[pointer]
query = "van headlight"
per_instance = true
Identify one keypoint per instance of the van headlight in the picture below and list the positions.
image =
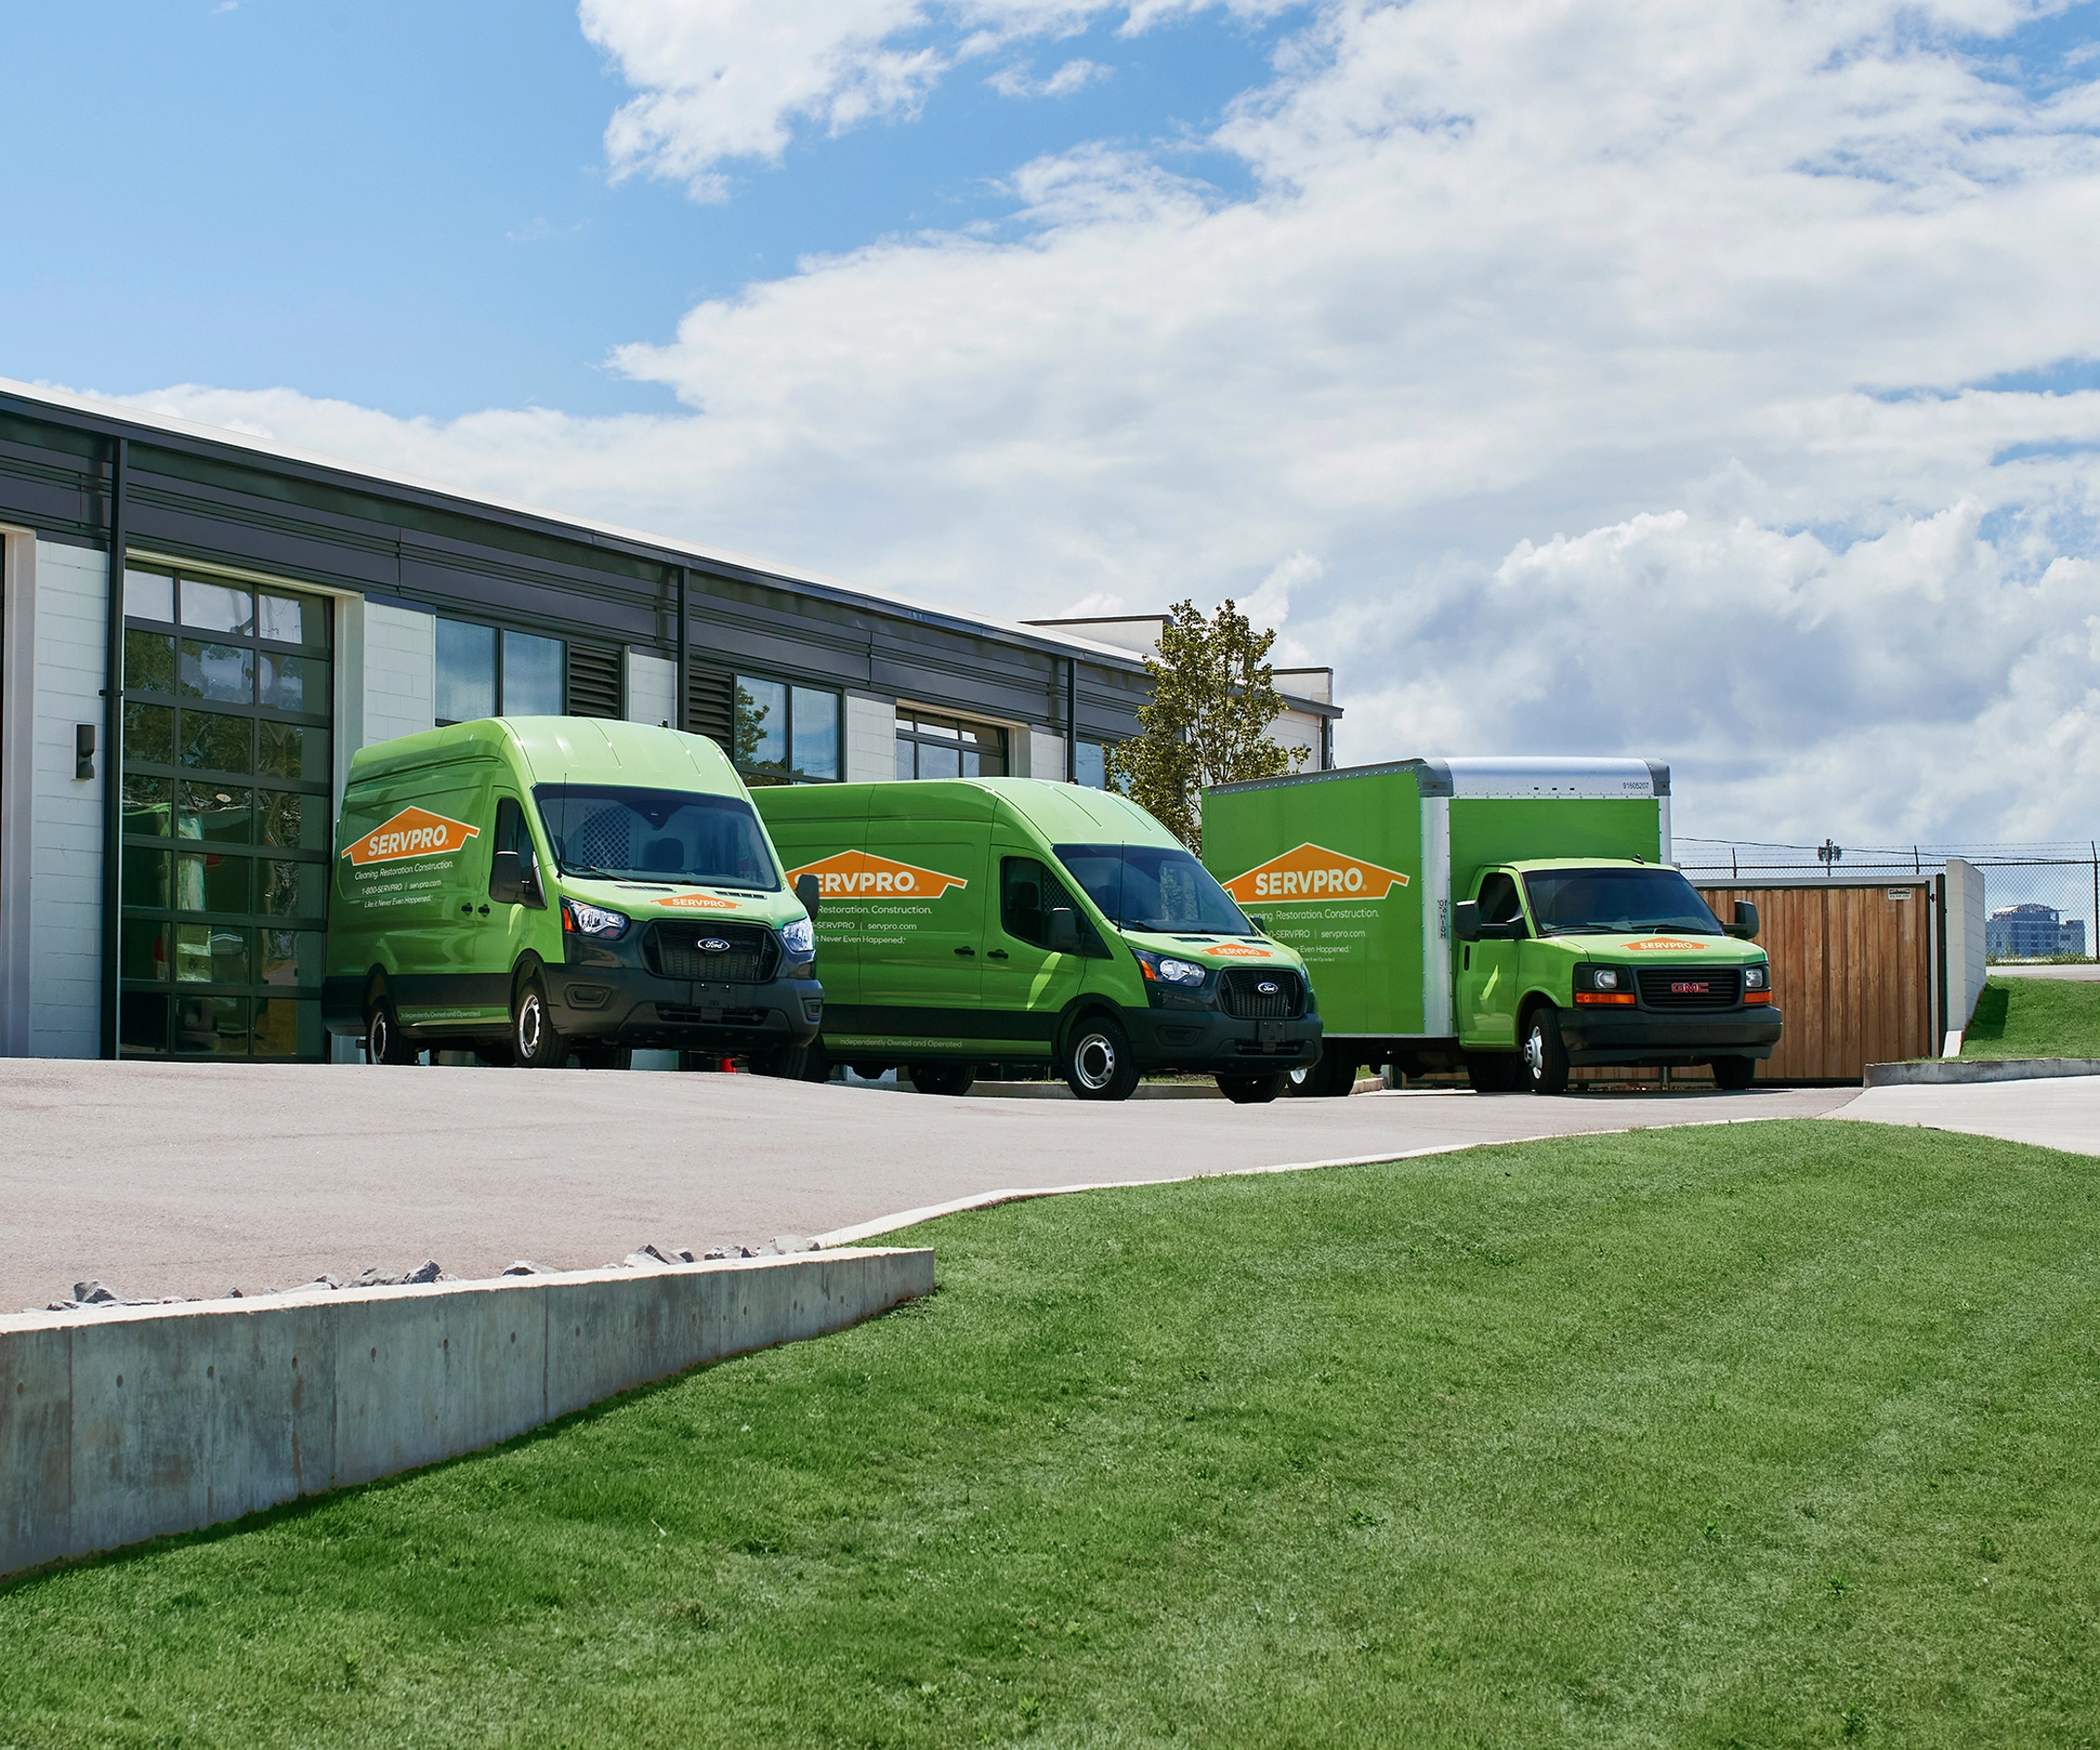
(1181, 972)
(593, 919)
(1757, 978)
(799, 938)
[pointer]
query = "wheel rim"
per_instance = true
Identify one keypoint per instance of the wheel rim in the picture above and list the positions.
(1299, 1076)
(376, 1040)
(528, 1029)
(1534, 1052)
(1093, 1063)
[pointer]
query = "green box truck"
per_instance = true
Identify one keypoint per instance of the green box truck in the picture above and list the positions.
(1514, 917)
(1010, 921)
(543, 890)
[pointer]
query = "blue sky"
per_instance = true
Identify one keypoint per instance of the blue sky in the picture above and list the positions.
(408, 205)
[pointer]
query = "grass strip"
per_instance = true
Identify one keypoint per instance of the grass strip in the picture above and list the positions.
(2035, 1018)
(1771, 1434)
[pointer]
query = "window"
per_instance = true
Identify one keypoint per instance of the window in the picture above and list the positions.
(482, 673)
(1089, 765)
(225, 774)
(943, 747)
(669, 836)
(1028, 894)
(1498, 901)
(1154, 888)
(785, 734)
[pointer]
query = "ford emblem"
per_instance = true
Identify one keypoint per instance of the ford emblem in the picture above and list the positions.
(714, 945)
(1265, 987)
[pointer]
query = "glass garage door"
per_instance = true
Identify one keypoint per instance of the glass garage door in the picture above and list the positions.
(226, 743)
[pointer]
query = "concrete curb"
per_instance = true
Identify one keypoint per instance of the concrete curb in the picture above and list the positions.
(1942, 1071)
(134, 1424)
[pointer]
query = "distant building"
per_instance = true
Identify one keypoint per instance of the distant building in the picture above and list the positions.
(2032, 932)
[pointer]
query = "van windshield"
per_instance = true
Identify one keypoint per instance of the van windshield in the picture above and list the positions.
(1147, 886)
(1614, 901)
(673, 836)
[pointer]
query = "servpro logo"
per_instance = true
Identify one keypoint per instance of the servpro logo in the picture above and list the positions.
(413, 832)
(1666, 945)
(858, 875)
(696, 902)
(1237, 951)
(1313, 872)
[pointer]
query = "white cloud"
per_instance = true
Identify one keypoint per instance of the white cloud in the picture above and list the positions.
(1072, 76)
(719, 80)
(1615, 361)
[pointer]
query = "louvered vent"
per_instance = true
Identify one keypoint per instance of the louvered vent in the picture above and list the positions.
(594, 690)
(708, 708)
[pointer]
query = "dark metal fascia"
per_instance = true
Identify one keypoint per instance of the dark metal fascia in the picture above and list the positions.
(456, 504)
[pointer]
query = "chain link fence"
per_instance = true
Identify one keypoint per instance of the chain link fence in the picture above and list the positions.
(2042, 902)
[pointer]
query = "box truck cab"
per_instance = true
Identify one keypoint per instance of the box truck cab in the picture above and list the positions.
(1513, 916)
(548, 890)
(1010, 921)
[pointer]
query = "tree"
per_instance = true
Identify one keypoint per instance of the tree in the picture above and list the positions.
(1214, 698)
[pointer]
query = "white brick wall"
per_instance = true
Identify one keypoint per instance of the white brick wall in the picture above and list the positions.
(66, 867)
(401, 672)
(652, 688)
(870, 739)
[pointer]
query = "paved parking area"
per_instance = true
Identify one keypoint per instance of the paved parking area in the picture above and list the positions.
(193, 1180)
(2057, 1112)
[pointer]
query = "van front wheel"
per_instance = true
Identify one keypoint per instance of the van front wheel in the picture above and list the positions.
(1545, 1057)
(953, 1079)
(1099, 1064)
(532, 1038)
(383, 1041)
(1251, 1090)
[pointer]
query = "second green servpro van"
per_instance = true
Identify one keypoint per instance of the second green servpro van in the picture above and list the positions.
(1011, 920)
(544, 890)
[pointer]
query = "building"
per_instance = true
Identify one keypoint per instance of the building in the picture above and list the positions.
(277, 610)
(2032, 932)
(1310, 711)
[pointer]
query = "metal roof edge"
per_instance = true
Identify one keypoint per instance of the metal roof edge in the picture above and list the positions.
(89, 412)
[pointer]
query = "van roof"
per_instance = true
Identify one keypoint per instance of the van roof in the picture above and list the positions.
(554, 750)
(1065, 813)
(1522, 776)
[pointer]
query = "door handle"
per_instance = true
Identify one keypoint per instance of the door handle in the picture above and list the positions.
(966, 951)
(484, 911)
(996, 953)
(468, 908)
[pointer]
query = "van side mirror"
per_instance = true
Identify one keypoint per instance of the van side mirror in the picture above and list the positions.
(1465, 920)
(506, 879)
(1746, 920)
(810, 891)
(1064, 930)
(1261, 925)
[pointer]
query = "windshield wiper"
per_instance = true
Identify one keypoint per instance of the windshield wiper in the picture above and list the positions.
(570, 868)
(1579, 929)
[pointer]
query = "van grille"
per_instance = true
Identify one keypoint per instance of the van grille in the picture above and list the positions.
(1241, 996)
(1690, 986)
(672, 951)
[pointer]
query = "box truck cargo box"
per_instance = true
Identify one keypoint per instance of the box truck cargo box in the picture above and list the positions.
(543, 890)
(1008, 921)
(1513, 916)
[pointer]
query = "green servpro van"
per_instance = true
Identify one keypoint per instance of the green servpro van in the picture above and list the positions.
(1517, 916)
(544, 890)
(1010, 921)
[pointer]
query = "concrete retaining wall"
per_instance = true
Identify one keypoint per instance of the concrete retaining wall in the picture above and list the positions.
(123, 1425)
(1947, 1071)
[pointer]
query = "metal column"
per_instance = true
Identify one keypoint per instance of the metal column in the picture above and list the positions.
(679, 707)
(1071, 720)
(113, 747)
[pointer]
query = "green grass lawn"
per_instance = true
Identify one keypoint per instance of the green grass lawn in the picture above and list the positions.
(2035, 1018)
(1773, 1434)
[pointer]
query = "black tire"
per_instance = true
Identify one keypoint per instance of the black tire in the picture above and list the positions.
(1491, 1071)
(1734, 1074)
(1545, 1057)
(951, 1079)
(384, 1043)
(495, 1053)
(603, 1056)
(1331, 1078)
(1098, 1063)
(534, 1044)
(1252, 1090)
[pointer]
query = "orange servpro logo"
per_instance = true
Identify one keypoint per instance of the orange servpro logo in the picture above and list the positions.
(859, 875)
(1666, 945)
(413, 832)
(697, 902)
(1238, 951)
(1313, 872)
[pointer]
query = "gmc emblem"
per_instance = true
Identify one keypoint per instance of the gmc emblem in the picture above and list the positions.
(1686, 987)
